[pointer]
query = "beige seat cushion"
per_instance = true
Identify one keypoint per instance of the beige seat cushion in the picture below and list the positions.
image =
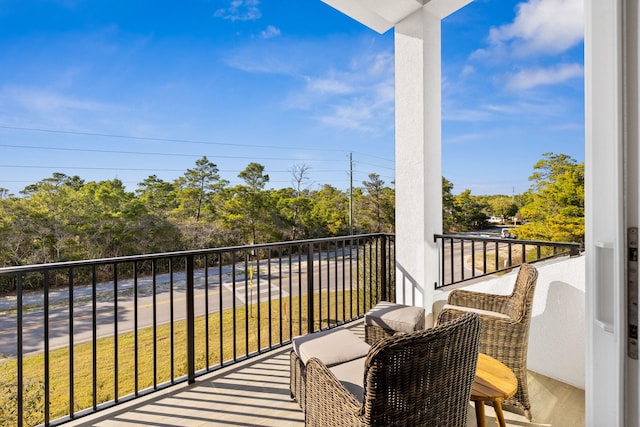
(351, 375)
(332, 347)
(475, 310)
(397, 317)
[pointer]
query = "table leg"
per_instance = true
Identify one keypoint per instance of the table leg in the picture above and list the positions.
(499, 414)
(480, 418)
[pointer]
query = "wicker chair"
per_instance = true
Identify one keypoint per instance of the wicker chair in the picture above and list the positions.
(504, 333)
(415, 379)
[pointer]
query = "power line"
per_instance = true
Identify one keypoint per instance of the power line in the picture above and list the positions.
(376, 166)
(168, 169)
(146, 138)
(146, 153)
(176, 155)
(183, 140)
(375, 157)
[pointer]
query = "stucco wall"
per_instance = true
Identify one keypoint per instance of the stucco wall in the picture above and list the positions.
(557, 335)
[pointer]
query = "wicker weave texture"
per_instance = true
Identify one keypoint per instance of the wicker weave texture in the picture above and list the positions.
(373, 334)
(506, 340)
(416, 379)
(296, 378)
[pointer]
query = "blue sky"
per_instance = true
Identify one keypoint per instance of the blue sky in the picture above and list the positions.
(126, 89)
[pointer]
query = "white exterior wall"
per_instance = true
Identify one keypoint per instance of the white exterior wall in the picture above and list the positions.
(418, 157)
(557, 334)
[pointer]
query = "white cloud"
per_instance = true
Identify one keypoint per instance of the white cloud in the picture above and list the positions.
(370, 114)
(270, 32)
(240, 10)
(329, 85)
(467, 70)
(380, 63)
(528, 79)
(355, 115)
(502, 108)
(288, 57)
(360, 97)
(254, 61)
(358, 94)
(569, 126)
(453, 114)
(464, 138)
(492, 112)
(41, 107)
(541, 27)
(44, 101)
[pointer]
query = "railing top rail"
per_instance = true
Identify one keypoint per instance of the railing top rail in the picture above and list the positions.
(505, 240)
(465, 257)
(196, 252)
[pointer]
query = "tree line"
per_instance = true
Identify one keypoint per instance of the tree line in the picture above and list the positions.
(64, 218)
(552, 209)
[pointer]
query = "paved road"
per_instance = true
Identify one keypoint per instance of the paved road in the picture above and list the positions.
(246, 290)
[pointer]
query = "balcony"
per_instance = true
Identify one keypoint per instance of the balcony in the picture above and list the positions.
(256, 392)
(137, 340)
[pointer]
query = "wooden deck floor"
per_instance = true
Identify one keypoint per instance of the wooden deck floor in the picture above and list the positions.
(256, 393)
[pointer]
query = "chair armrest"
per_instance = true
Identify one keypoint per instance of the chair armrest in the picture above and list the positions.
(327, 402)
(482, 301)
(488, 319)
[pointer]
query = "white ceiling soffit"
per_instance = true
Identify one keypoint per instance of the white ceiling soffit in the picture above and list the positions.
(381, 15)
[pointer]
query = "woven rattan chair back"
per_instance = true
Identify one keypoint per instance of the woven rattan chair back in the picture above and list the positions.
(522, 296)
(505, 339)
(422, 378)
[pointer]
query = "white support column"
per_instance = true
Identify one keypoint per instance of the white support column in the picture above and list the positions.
(418, 157)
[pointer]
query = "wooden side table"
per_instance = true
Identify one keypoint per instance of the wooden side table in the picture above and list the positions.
(494, 382)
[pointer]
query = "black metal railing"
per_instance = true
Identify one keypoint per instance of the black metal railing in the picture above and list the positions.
(78, 337)
(466, 257)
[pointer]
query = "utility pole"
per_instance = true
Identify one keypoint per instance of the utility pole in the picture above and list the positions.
(350, 193)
